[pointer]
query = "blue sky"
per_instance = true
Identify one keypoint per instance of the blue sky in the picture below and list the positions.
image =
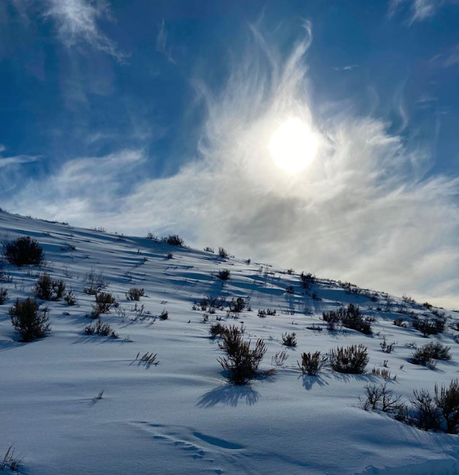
(153, 115)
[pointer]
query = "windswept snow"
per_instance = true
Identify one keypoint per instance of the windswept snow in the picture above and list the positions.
(181, 416)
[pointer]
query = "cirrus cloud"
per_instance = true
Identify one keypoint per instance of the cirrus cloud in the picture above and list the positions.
(364, 210)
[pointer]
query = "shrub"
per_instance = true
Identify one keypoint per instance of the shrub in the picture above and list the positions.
(237, 305)
(9, 461)
(279, 359)
(430, 325)
(23, 251)
(332, 319)
(216, 329)
(312, 363)
(387, 347)
(70, 298)
(209, 249)
(432, 351)
(349, 317)
(222, 253)
(3, 295)
(96, 282)
(267, 312)
(104, 302)
(224, 274)
(242, 361)
(28, 320)
(164, 315)
(426, 413)
(48, 288)
(101, 329)
(399, 322)
(135, 293)
(447, 401)
(352, 318)
(173, 240)
(351, 360)
(289, 339)
(170, 255)
(290, 290)
(152, 237)
(307, 280)
(381, 398)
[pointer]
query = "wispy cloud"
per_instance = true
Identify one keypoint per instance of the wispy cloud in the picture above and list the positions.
(87, 189)
(348, 67)
(362, 211)
(17, 160)
(420, 10)
(162, 44)
(76, 21)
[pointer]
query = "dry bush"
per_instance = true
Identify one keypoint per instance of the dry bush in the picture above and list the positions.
(164, 315)
(349, 317)
(332, 319)
(350, 360)
(447, 401)
(427, 354)
(173, 240)
(222, 253)
(312, 363)
(70, 298)
(3, 295)
(27, 318)
(387, 347)
(427, 416)
(307, 280)
(224, 274)
(23, 251)
(135, 293)
(289, 339)
(384, 373)
(381, 398)
(10, 462)
(96, 282)
(267, 312)
(101, 329)
(49, 289)
(430, 325)
(279, 359)
(216, 330)
(242, 361)
(104, 302)
(237, 305)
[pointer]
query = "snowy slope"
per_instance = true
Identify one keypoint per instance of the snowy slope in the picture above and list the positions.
(181, 416)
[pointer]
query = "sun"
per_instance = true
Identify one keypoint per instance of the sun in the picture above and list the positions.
(293, 145)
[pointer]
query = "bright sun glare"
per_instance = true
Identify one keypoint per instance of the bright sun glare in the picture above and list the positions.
(293, 145)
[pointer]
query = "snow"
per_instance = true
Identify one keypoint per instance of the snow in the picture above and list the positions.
(181, 416)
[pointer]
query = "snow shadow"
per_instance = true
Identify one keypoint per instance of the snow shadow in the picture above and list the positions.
(229, 395)
(309, 381)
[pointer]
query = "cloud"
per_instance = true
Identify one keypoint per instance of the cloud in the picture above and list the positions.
(348, 67)
(420, 10)
(19, 159)
(85, 189)
(76, 21)
(363, 210)
(453, 57)
(162, 43)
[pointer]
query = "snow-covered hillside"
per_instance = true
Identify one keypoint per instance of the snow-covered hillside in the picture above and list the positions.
(181, 416)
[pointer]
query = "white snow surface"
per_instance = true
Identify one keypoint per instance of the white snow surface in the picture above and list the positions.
(182, 416)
